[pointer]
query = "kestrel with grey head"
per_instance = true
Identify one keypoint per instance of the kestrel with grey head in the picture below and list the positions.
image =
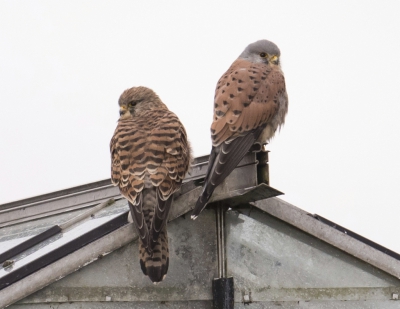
(150, 155)
(250, 104)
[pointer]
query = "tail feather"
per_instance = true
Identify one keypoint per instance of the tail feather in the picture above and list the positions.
(223, 160)
(155, 264)
(153, 248)
(207, 189)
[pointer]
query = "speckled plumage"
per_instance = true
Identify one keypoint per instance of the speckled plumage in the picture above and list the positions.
(250, 103)
(150, 156)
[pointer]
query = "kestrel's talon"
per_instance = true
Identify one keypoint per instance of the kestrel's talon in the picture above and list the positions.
(256, 147)
(264, 147)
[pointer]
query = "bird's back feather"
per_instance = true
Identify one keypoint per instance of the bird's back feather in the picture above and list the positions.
(150, 158)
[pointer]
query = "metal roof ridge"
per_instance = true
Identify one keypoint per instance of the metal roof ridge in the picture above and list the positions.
(93, 193)
(104, 183)
(56, 194)
(311, 225)
(358, 237)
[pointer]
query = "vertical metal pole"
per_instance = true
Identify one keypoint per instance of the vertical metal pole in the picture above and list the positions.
(223, 258)
(219, 245)
(222, 287)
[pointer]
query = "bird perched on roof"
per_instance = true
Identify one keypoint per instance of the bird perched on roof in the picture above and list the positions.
(250, 103)
(150, 155)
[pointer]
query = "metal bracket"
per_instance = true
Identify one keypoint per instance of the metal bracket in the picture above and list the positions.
(246, 297)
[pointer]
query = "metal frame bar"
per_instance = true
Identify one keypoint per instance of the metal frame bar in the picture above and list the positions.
(50, 232)
(54, 255)
(34, 240)
(67, 264)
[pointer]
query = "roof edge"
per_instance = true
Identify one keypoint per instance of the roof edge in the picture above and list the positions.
(67, 265)
(307, 223)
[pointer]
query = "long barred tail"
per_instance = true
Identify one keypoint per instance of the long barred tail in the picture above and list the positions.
(155, 264)
(153, 248)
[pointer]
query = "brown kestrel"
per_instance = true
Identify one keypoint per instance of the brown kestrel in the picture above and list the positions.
(250, 104)
(150, 155)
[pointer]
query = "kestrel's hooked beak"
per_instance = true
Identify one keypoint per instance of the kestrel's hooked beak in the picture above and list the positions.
(273, 59)
(122, 110)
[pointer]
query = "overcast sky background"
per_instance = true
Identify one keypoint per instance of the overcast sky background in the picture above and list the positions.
(63, 65)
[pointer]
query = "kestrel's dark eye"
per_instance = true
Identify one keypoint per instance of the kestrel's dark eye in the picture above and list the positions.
(263, 55)
(133, 103)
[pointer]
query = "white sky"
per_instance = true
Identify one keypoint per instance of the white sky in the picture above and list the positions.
(63, 65)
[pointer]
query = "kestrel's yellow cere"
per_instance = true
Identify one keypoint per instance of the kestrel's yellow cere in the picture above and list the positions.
(250, 104)
(150, 155)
